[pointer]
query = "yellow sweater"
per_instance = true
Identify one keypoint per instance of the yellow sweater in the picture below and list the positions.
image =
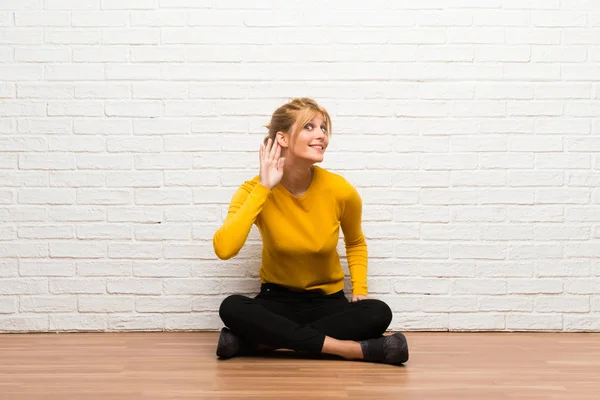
(300, 234)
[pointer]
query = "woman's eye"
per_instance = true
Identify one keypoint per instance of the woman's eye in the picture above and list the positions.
(324, 129)
(308, 127)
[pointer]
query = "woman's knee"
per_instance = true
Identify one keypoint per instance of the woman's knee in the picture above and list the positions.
(381, 314)
(230, 306)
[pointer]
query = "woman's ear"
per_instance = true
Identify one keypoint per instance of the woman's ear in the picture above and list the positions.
(282, 139)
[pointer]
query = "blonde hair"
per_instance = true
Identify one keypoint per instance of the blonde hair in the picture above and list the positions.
(294, 115)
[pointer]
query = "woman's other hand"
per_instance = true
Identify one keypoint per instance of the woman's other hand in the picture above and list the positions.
(359, 297)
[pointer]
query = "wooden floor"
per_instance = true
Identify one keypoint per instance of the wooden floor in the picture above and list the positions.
(184, 366)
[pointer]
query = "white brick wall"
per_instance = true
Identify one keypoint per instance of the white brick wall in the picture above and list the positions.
(471, 129)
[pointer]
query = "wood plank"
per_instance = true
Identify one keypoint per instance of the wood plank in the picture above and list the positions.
(168, 365)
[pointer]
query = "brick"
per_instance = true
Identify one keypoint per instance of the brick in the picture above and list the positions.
(163, 304)
(76, 109)
(127, 179)
(136, 323)
(105, 304)
(195, 143)
(105, 162)
(45, 91)
(109, 19)
(136, 214)
(77, 286)
(159, 233)
(164, 161)
(22, 109)
(37, 19)
(77, 322)
(103, 196)
(135, 286)
(73, 214)
(501, 53)
(197, 251)
(506, 303)
(23, 214)
(72, 37)
(195, 321)
(448, 196)
(93, 126)
(130, 36)
(74, 72)
(124, 144)
(500, 269)
(77, 249)
(582, 250)
(23, 144)
(449, 304)
(140, 54)
(104, 231)
(48, 304)
(101, 54)
(564, 303)
(41, 126)
(563, 268)
(160, 18)
(46, 232)
(478, 214)
(417, 178)
(25, 323)
(24, 249)
(163, 269)
(476, 321)
(534, 322)
(8, 305)
(40, 54)
(8, 233)
(24, 286)
(478, 178)
(103, 268)
(133, 109)
(161, 126)
(534, 286)
(8, 268)
(478, 251)
(70, 179)
(464, 161)
(135, 250)
(196, 286)
(582, 323)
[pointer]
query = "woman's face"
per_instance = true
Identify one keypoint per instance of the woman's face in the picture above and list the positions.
(310, 142)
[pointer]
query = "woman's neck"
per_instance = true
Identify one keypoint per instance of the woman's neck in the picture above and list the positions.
(297, 179)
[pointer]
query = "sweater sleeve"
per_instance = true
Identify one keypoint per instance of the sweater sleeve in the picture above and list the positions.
(354, 239)
(246, 204)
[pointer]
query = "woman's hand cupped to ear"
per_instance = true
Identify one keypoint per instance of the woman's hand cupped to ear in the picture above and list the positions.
(271, 164)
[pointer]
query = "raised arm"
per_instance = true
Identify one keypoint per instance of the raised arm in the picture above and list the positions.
(246, 204)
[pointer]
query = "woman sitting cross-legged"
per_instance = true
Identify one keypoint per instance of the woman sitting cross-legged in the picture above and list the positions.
(299, 208)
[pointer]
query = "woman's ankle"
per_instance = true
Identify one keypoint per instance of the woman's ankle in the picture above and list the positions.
(347, 349)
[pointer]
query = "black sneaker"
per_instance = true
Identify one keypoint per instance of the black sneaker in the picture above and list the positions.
(391, 349)
(229, 344)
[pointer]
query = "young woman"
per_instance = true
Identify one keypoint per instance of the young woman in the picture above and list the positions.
(299, 208)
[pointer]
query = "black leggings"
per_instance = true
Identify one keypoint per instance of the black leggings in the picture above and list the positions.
(299, 321)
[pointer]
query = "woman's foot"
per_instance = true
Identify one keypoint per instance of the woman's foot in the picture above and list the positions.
(391, 349)
(229, 345)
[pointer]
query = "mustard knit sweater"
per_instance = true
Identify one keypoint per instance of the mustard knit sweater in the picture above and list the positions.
(300, 234)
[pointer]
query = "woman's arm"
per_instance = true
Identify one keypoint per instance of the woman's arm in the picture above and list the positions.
(246, 204)
(354, 239)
